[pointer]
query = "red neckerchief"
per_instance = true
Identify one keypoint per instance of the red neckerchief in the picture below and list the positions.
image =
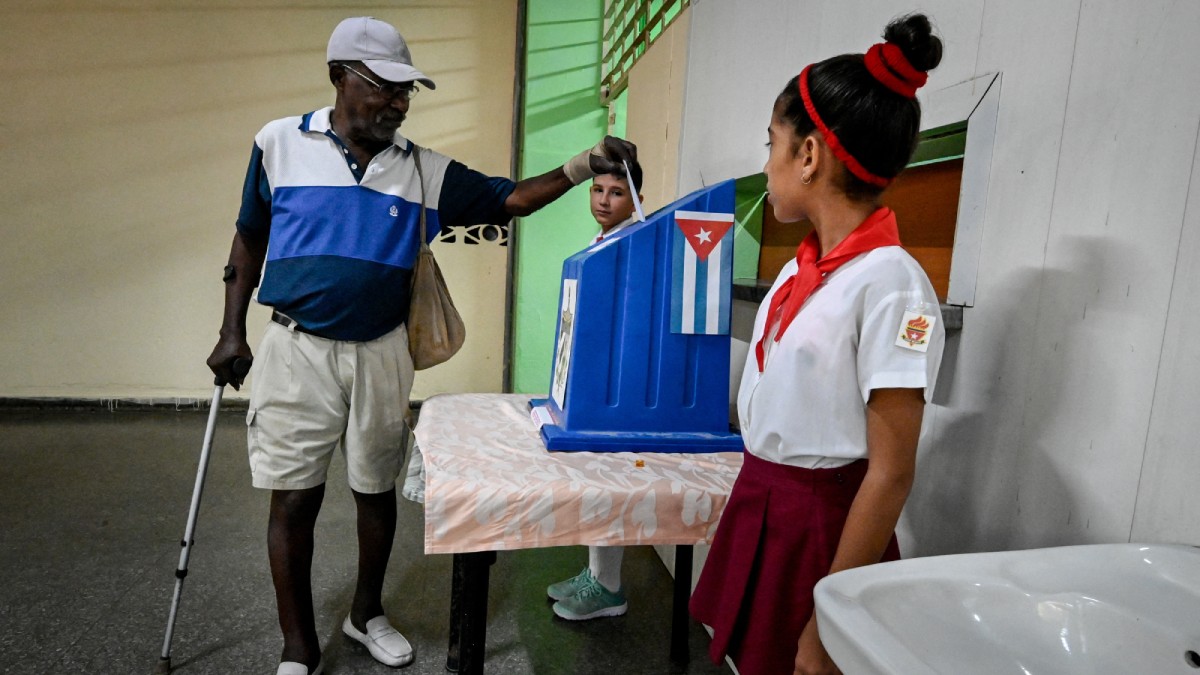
(879, 229)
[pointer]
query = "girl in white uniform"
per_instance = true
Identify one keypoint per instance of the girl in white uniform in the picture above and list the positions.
(845, 353)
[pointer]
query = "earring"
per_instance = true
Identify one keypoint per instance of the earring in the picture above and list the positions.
(806, 179)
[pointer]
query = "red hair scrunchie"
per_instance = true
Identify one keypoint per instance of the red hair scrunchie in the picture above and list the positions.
(887, 63)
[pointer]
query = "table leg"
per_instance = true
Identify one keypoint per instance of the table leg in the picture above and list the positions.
(468, 612)
(680, 621)
(453, 650)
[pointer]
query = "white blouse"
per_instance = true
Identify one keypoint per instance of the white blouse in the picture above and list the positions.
(874, 323)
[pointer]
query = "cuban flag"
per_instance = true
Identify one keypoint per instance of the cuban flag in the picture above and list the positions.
(701, 273)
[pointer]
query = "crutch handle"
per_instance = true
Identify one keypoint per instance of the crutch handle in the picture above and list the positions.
(241, 368)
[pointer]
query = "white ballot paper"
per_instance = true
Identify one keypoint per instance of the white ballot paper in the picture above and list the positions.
(637, 203)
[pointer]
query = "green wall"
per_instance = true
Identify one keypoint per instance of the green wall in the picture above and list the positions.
(562, 117)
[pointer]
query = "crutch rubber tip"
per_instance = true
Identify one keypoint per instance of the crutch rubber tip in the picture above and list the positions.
(163, 667)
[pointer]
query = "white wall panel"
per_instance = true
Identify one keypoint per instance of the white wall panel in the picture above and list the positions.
(1168, 499)
(741, 55)
(744, 52)
(1118, 207)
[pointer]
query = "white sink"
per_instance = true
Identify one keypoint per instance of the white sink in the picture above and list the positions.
(1119, 609)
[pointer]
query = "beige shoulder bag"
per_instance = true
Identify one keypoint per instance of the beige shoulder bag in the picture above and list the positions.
(435, 330)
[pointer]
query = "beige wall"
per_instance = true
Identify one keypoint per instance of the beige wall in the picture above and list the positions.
(126, 131)
(654, 111)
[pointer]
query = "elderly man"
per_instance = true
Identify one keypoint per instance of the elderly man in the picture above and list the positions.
(337, 193)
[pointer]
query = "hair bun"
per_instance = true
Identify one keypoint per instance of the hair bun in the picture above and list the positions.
(913, 34)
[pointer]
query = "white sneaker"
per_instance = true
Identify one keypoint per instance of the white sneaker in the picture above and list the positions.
(385, 643)
(294, 668)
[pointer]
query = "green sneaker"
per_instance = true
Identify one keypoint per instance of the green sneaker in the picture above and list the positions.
(591, 602)
(565, 589)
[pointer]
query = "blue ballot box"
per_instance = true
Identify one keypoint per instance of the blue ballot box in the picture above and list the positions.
(641, 358)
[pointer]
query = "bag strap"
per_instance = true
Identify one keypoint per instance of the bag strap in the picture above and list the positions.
(415, 150)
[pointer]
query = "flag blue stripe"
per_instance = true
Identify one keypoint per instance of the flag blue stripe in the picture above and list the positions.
(700, 300)
(677, 244)
(726, 280)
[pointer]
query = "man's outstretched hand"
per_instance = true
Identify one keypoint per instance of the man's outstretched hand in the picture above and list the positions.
(616, 150)
(605, 157)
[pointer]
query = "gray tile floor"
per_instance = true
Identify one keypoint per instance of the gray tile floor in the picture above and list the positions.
(93, 504)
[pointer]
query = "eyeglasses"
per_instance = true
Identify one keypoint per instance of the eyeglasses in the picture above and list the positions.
(388, 91)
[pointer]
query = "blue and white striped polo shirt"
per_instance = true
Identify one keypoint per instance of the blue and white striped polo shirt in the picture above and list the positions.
(343, 237)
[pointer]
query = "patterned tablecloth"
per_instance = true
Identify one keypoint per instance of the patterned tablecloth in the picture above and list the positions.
(491, 485)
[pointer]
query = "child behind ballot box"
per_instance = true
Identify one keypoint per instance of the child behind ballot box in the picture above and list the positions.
(596, 591)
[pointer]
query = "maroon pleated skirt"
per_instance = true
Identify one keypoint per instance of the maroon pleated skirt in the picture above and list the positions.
(777, 538)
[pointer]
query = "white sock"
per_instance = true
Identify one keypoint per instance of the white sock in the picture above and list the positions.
(605, 564)
(414, 479)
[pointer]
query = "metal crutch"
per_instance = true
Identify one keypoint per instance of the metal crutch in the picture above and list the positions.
(241, 367)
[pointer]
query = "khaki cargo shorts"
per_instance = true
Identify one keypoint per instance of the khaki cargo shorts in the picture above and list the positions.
(311, 395)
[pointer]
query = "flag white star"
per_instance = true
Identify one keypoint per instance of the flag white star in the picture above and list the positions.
(703, 236)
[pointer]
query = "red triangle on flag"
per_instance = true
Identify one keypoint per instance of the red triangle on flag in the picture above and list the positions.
(703, 230)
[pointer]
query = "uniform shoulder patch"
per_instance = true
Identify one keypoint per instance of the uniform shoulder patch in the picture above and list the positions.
(915, 328)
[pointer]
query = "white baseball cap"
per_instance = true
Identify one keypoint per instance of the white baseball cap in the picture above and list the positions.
(378, 45)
